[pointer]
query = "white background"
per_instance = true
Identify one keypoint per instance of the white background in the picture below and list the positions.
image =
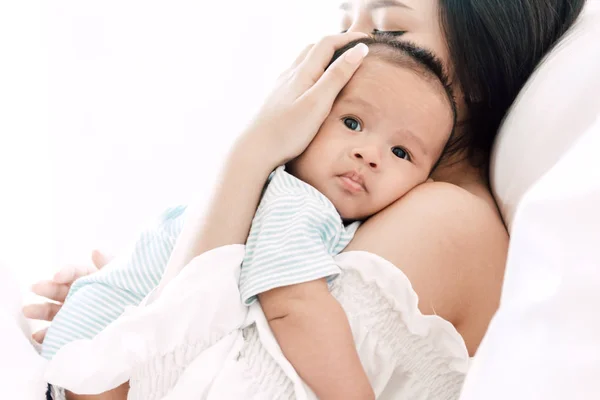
(112, 110)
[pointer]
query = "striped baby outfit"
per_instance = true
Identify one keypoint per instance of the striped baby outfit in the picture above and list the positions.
(294, 235)
(96, 300)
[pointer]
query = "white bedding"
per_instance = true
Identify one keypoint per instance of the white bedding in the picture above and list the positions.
(21, 368)
(544, 342)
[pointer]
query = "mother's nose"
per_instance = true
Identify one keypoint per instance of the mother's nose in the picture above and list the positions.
(361, 27)
(361, 22)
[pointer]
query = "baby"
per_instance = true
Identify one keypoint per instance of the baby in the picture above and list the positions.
(385, 134)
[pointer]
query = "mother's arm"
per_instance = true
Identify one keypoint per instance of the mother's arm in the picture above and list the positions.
(118, 393)
(451, 245)
(283, 129)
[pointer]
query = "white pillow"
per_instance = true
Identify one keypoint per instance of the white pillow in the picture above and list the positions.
(558, 104)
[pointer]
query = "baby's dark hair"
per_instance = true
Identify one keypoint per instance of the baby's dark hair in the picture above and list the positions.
(419, 60)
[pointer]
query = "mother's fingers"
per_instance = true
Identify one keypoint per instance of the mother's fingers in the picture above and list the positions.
(51, 290)
(100, 259)
(39, 336)
(327, 88)
(70, 273)
(45, 312)
(302, 55)
(320, 55)
(298, 61)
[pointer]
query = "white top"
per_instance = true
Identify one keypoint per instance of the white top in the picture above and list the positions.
(225, 350)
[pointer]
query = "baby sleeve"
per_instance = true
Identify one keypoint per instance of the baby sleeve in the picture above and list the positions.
(294, 236)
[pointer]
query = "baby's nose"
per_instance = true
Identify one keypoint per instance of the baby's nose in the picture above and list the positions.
(367, 155)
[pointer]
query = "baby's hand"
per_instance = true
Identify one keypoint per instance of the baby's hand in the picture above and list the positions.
(57, 290)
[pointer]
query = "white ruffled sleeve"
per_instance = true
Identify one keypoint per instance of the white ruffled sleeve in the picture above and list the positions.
(407, 355)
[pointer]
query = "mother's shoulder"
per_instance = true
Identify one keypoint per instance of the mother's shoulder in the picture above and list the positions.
(450, 201)
(451, 245)
(440, 209)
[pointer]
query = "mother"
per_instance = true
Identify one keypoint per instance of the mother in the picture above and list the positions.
(447, 236)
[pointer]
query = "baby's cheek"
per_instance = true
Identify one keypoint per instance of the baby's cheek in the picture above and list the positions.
(299, 167)
(390, 195)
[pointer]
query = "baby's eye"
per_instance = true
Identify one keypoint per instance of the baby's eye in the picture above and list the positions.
(401, 153)
(353, 124)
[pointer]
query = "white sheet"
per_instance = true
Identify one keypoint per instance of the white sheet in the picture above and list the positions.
(21, 367)
(544, 342)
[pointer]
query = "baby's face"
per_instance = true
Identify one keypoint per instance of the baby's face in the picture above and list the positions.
(385, 132)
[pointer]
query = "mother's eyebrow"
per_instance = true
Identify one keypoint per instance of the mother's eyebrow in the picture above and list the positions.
(376, 4)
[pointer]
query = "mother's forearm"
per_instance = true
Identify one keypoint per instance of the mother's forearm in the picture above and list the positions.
(285, 126)
(118, 393)
(229, 215)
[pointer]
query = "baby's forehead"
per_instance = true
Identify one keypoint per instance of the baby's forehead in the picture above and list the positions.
(405, 56)
(397, 93)
(381, 69)
(379, 80)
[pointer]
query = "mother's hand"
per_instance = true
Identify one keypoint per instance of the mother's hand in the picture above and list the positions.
(57, 290)
(286, 124)
(304, 95)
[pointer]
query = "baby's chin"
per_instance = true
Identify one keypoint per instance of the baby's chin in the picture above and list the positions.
(351, 214)
(350, 207)
(355, 212)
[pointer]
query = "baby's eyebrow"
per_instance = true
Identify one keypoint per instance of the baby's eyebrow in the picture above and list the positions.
(357, 101)
(414, 138)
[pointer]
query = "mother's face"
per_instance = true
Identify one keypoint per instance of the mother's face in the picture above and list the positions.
(415, 21)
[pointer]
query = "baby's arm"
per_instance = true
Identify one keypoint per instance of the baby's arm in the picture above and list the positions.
(314, 335)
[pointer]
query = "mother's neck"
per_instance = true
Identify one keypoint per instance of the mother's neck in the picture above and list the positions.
(460, 171)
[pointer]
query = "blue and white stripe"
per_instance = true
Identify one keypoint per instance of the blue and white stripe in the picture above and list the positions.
(97, 300)
(295, 234)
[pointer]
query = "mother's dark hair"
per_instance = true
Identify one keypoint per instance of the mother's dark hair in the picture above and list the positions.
(495, 45)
